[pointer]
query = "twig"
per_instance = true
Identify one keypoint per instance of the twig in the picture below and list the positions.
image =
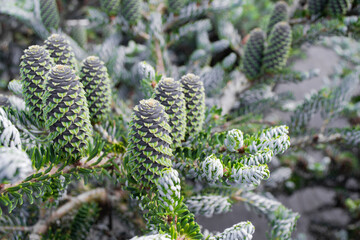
(95, 195)
(83, 163)
(160, 67)
(16, 228)
(315, 139)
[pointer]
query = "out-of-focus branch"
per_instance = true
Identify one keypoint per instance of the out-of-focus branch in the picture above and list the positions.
(315, 139)
(95, 195)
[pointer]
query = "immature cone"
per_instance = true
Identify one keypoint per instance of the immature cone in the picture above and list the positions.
(96, 83)
(169, 93)
(317, 6)
(176, 5)
(339, 7)
(277, 51)
(110, 7)
(194, 93)
(131, 10)
(279, 14)
(66, 112)
(49, 14)
(254, 53)
(60, 50)
(34, 67)
(79, 34)
(149, 142)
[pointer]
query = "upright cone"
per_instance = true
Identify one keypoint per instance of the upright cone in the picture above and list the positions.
(253, 54)
(169, 93)
(194, 94)
(49, 14)
(277, 51)
(96, 83)
(279, 14)
(149, 143)
(131, 10)
(60, 50)
(34, 67)
(66, 113)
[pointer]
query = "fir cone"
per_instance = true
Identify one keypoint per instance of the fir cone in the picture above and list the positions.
(96, 83)
(194, 93)
(131, 10)
(149, 143)
(60, 50)
(169, 93)
(66, 112)
(279, 14)
(317, 6)
(49, 14)
(339, 7)
(254, 53)
(175, 6)
(278, 48)
(79, 34)
(111, 7)
(34, 67)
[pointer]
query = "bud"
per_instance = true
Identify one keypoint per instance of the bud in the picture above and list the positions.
(212, 169)
(234, 140)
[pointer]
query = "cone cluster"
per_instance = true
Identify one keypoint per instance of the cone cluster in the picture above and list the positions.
(317, 6)
(96, 83)
(169, 93)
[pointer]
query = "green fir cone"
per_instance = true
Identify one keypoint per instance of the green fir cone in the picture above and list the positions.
(66, 113)
(149, 143)
(95, 78)
(169, 93)
(49, 14)
(253, 54)
(194, 93)
(60, 50)
(317, 6)
(175, 6)
(277, 51)
(111, 7)
(79, 34)
(279, 14)
(34, 67)
(131, 10)
(339, 7)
